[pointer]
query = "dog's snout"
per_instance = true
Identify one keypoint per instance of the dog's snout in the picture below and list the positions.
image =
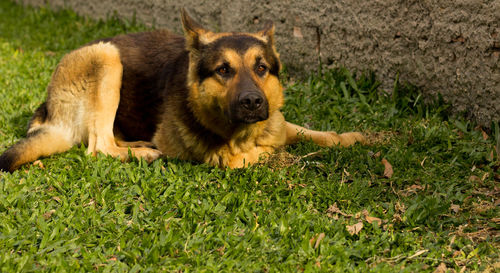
(251, 101)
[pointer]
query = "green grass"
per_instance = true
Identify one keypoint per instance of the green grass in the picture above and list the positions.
(80, 213)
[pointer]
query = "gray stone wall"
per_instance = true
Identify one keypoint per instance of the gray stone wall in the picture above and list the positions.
(450, 47)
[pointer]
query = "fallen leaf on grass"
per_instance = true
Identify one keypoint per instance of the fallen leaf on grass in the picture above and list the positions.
(411, 189)
(220, 250)
(486, 175)
(388, 171)
(355, 229)
(455, 208)
(371, 219)
(318, 240)
(333, 209)
(418, 253)
(48, 214)
(400, 207)
(39, 164)
(474, 178)
(485, 135)
(423, 161)
(441, 268)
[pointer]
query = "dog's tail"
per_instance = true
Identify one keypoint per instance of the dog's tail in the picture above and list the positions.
(41, 141)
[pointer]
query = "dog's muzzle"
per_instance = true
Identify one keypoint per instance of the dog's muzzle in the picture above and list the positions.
(251, 107)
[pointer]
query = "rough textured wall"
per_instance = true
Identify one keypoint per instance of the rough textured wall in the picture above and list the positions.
(450, 47)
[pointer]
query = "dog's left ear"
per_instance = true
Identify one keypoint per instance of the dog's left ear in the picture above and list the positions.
(192, 31)
(268, 32)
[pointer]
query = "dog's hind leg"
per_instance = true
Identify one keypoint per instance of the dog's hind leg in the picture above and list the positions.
(295, 133)
(102, 106)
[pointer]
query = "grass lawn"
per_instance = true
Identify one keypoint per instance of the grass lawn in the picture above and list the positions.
(424, 196)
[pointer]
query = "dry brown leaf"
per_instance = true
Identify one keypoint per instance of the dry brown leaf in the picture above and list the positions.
(486, 175)
(418, 253)
(333, 209)
(441, 268)
(311, 241)
(371, 219)
(474, 178)
(400, 207)
(423, 161)
(49, 213)
(388, 171)
(355, 229)
(396, 218)
(39, 164)
(455, 208)
(318, 240)
(485, 135)
(221, 250)
(491, 157)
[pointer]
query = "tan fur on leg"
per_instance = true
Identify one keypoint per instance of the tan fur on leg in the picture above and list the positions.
(295, 133)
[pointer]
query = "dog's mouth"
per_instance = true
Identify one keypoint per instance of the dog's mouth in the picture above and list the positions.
(253, 118)
(240, 114)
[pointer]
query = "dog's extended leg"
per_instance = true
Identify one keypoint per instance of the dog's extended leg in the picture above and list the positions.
(102, 109)
(295, 133)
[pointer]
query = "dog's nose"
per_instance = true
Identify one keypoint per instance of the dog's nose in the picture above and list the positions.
(251, 101)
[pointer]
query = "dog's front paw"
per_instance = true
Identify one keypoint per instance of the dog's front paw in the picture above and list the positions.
(350, 138)
(147, 154)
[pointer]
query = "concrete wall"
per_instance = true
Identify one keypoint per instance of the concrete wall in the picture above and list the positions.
(446, 46)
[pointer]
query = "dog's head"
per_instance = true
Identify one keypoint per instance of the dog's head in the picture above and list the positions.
(233, 77)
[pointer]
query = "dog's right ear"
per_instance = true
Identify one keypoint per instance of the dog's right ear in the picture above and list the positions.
(192, 31)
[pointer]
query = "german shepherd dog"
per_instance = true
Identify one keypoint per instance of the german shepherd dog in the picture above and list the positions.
(205, 96)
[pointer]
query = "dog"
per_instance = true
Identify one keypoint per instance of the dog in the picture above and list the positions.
(209, 97)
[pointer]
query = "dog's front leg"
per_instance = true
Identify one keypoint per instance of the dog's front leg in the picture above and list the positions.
(295, 133)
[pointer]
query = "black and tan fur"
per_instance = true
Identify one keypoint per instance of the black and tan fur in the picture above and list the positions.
(209, 97)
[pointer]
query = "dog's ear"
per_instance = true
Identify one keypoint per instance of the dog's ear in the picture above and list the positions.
(268, 32)
(192, 31)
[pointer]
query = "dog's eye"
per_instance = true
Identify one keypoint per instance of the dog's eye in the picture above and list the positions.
(261, 69)
(222, 70)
